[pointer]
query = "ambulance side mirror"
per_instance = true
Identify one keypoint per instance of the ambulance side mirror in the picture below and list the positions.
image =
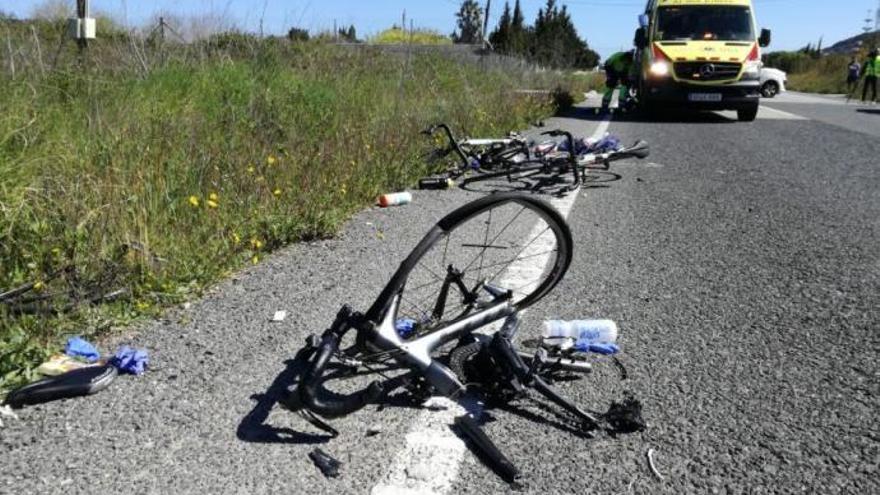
(641, 39)
(764, 39)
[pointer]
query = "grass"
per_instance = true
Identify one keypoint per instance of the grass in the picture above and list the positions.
(157, 173)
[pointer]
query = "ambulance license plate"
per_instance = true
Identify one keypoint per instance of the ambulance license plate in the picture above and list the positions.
(704, 96)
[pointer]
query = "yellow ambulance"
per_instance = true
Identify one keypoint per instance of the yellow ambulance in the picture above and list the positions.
(703, 54)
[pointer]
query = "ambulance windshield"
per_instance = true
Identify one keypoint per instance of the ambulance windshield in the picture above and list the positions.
(704, 23)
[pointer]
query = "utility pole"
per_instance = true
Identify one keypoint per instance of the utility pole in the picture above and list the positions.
(486, 21)
(82, 12)
(403, 21)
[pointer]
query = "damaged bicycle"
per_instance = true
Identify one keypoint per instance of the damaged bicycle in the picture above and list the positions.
(445, 324)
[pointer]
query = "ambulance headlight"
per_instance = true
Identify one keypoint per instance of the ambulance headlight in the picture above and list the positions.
(660, 69)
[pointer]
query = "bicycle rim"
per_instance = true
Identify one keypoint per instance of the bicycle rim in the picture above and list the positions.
(509, 241)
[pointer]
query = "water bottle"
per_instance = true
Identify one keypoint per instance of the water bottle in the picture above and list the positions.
(395, 199)
(591, 335)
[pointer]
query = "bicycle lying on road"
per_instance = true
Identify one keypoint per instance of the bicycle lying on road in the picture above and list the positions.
(514, 158)
(434, 328)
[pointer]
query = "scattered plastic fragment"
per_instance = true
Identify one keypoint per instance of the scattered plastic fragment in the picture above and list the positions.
(279, 316)
(77, 347)
(132, 361)
(327, 464)
(652, 466)
(59, 364)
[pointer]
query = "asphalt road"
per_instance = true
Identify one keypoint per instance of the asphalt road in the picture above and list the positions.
(740, 261)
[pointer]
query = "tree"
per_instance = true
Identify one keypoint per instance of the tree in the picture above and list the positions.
(470, 23)
(349, 35)
(297, 34)
(500, 38)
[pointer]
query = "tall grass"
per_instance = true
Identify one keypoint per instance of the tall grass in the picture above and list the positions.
(138, 178)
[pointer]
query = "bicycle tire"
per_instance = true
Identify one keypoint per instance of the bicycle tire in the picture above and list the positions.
(556, 264)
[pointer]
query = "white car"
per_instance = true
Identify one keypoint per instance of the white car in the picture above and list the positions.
(772, 82)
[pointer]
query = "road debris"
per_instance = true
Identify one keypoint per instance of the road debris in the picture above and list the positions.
(279, 316)
(59, 364)
(395, 199)
(7, 412)
(131, 361)
(653, 467)
(76, 383)
(77, 347)
(373, 430)
(327, 464)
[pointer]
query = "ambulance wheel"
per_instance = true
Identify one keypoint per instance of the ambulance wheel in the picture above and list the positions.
(747, 114)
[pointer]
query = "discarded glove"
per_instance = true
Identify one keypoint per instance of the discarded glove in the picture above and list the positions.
(603, 349)
(77, 347)
(132, 361)
(328, 465)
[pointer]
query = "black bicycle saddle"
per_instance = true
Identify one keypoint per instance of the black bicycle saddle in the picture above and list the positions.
(75, 383)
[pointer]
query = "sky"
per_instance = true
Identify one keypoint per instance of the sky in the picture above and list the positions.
(607, 25)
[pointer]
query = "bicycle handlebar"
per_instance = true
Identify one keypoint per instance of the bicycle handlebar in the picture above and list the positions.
(311, 391)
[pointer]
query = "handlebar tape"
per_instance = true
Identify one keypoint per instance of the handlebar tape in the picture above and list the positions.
(323, 402)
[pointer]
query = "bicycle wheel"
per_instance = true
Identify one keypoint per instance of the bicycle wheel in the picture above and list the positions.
(509, 241)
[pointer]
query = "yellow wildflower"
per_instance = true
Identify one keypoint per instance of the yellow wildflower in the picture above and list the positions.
(256, 244)
(56, 251)
(194, 201)
(38, 285)
(235, 238)
(277, 192)
(270, 160)
(255, 259)
(212, 204)
(142, 305)
(214, 197)
(368, 147)
(343, 190)
(250, 169)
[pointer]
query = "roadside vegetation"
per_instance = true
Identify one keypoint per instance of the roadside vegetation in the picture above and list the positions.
(812, 71)
(136, 176)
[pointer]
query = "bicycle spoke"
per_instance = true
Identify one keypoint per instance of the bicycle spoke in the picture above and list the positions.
(471, 263)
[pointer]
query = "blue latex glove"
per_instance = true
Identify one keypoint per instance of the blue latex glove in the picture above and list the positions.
(79, 348)
(405, 327)
(603, 349)
(131, 361)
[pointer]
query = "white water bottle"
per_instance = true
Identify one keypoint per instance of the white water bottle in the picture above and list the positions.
(586, 332)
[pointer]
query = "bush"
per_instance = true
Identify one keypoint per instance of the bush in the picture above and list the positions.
(397, 36)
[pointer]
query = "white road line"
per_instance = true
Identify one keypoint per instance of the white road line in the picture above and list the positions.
(775, 114)
(430, 462)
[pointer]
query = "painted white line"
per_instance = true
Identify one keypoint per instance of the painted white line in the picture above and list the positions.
(770, 113)
(430, 462)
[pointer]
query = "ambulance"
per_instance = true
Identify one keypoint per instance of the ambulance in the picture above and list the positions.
(701, 54)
